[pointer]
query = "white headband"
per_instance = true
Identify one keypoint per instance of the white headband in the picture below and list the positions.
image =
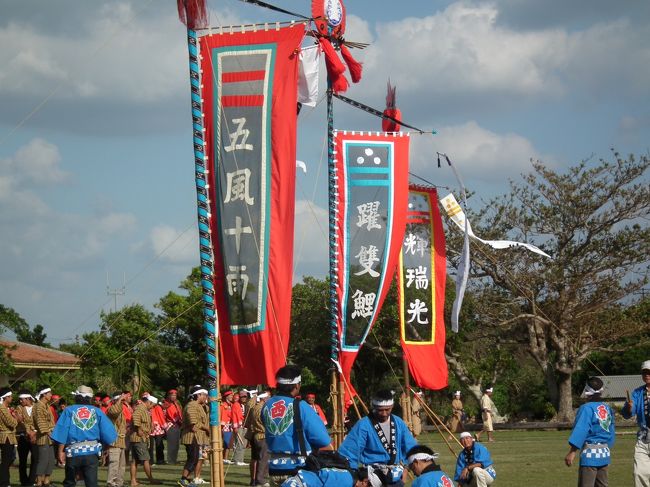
(465, 434)
(295, 380)
(588, 391)
(425, 457)
(200, 391)
(82, 394)
(26, 396)
(374, 479)
(6, 394)
(381, 403)
(152, 399)
(489, 390)
(116, 397)
(457, 393)
(43, 392)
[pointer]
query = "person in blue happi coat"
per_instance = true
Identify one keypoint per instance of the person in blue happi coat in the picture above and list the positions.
(474, 465)
(284, 416)
(80, 432)
(422, 462)
(332, 477)
(639, 405)
(380, 439)
(592, 435)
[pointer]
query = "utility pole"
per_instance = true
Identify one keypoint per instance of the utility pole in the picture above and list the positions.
(117, 291)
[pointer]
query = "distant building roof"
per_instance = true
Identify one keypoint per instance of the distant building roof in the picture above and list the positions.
(26, 355)
(617, 385)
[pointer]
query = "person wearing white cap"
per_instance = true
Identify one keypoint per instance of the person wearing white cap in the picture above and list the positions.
(380, 438)
(639, 405)
(26, 439)
(487, 413)
(474, 465)
(456, 423)
(140, 439)
(593, 434)
(44, 423)
(283, 415)
(259, 468)
(8, 425)
(80, 432)
(194, 434)
(422, 462)
(117, 449)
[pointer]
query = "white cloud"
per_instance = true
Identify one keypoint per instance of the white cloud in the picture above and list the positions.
(175, 246)
(36, 162)
(478, 153)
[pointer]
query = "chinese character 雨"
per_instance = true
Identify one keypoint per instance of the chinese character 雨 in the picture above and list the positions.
(363, 304)
(234, 137)
(419, 276)
(369, 215)
(238, 186)
(415, 310)
(236, 274)
(367, 257)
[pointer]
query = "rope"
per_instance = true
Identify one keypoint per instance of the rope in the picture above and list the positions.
(259, 3)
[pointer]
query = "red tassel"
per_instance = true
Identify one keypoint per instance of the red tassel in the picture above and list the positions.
(389, 125)
(334, 64)
(340, 84)
(353, 65)
(193, 13)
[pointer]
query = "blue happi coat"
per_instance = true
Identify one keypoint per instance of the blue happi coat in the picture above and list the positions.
(284, 449)
(480, 455)
(362, 446)
(325, 477)
(83, 428)
(637, 408)
(433, 478)
(593, 433)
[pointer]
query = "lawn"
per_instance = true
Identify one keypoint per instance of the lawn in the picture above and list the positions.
(521, 458)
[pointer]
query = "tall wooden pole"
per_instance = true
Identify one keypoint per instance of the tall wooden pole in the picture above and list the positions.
(210, 321)
(407, 411)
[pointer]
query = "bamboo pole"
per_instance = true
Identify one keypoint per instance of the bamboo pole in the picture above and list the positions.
(436, 419)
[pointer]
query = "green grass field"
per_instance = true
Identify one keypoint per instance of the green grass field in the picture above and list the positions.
(522, 458)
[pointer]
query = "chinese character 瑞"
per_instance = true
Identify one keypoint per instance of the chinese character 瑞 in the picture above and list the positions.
(419, 276)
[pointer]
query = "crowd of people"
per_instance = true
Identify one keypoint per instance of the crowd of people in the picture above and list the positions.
(289, 442)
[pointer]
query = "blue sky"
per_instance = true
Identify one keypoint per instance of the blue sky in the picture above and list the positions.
(96, 165)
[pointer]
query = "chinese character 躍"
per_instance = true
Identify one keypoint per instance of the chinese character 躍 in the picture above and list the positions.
(368, 215)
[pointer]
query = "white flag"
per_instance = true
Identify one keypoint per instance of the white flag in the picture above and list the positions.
(308, 75)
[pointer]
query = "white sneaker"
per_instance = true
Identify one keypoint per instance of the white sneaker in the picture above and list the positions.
(198, 481)
(241, 464)
(226, 461)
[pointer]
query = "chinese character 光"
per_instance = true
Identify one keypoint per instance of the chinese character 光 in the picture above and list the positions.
(419, 276)
(238, 186)
(415, 310)
(367, 257)
(363, 304)
(235, 275)
(369, 215)
(234, 137)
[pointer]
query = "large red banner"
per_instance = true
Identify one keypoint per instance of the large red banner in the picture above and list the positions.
(250, 93)
(370, 205)
(421, 284)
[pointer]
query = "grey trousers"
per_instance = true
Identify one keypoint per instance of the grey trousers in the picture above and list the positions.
(239, 445)
(116, 467)
(173, 441)
(592, 477)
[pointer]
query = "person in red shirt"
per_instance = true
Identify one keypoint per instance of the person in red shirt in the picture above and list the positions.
(225, 417)
(311, 400)
(238, 440)
(156, 445)
(173, 423)
(127, 411)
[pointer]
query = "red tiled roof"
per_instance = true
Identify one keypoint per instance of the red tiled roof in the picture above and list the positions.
(24, 353)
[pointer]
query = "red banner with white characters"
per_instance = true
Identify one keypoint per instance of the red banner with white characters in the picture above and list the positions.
(421, 284)
(370, 207)
(249, 88)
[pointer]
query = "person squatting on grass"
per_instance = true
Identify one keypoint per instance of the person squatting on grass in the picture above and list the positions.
(474, 465)
(593, 435)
